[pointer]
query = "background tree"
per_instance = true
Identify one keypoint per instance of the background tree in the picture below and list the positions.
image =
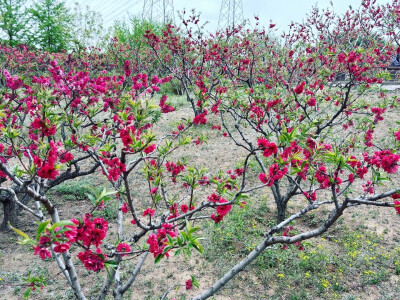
(13, 21)
(52, 25)
(87, 28)
(132, 30)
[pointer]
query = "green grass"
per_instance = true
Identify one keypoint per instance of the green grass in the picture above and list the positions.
(74, 189)
(327, 268)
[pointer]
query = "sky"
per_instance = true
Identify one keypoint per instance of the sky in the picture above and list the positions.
(280, 12)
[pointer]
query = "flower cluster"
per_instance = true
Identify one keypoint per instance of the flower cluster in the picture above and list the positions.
(47, 169)
(43, 126)
(165, 108)
(268, 147)
(90, 232)
(116, 168)
(396, 202)
(274, 174)
(174, 169)
(13, 82)
(157, 241)
(222, 210)
(384, 159)
(201, 118)
(93, 261)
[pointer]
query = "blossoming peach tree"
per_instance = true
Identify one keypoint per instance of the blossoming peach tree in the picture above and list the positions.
(309, 139)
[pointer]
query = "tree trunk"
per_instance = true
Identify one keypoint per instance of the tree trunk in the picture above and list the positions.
(10, 212)
(282, 206)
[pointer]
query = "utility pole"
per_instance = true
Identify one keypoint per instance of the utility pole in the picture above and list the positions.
(231, 14)
(159, 11)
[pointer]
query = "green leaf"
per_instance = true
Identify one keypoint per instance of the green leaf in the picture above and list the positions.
(27, 293)
(91, 198)
(62, 224)
(179, 241)
(111, 263)
(158, 258)
(42, 226)
(166, 249)
(194, 229)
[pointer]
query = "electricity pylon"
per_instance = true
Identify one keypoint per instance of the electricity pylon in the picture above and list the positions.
(231, 14)
(159, 11)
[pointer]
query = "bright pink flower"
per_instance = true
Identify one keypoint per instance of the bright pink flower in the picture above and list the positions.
(300, 88)
(150, 148)
(225, 209)
(368, 138)
(397, 206)
(66, 157)
(93, 261)
(200, 118)
(352, 161)
(123, 247)
(351, 177)
(149, 211)
(312, 102)
(386, 160)
(125, 208)
(263, 178)
(184, 208)
(216, 218)
(47, 171)
(271, 149)
(61, 248)
(43, 252)
(361, 172)
(397, 135)
(189, 284)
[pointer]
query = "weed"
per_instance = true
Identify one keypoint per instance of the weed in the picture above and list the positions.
(73, 190)
(109, 212)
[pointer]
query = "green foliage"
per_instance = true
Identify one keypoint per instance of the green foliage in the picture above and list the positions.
(87, 28)
(109, 212)
(13, 22)
(76, 190)
(51, 20)
(131, 31)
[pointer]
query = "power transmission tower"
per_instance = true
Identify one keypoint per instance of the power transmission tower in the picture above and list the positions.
(231, 14)
(159, 11)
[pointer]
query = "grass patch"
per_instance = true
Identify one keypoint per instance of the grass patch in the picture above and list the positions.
(328, 267)
(75, 190)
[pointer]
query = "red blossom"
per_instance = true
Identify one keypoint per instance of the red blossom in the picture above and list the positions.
(149, 211)
(184, 208)
(125, 208)
(93, 261)
(200, 118)
(123, 247)
(48, 171)
(149, 149)
(189, 284)
(300, 88)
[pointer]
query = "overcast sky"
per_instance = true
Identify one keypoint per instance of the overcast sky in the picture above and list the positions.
(281, 12)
